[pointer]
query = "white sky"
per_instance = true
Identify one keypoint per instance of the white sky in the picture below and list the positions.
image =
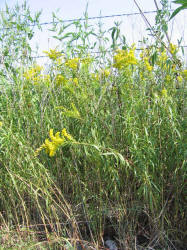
(133, 27)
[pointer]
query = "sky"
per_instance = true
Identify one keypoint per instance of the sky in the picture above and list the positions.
(133, 27)
(75, 8)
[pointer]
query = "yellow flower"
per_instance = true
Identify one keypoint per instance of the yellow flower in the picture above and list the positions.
(105, 73)
(124, 58)
(53, 54)
(184, 74)
(1, 124)
(34, 74)
(162, 58)
(56, 141)
(95, 76)
(50, 148)
(142, 76)
(173, 49)
(72, 63)
(59, 80)
(39, 149)
(147, 64)
(66, 135)
(164, 92)
(168, 79)
(86, 60)
(75, 81)
(179, 78)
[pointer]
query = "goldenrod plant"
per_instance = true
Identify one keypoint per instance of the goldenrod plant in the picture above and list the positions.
(93, 146)
(56, 141)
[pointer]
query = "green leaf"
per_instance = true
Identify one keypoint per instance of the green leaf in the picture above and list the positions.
(6, 65)
(175, 12)
(180, 1)
(113, 33)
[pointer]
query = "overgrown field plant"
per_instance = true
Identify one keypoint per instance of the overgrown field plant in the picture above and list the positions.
(92, 152)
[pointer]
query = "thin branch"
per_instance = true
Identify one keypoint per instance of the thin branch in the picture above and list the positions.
(153, 32)
(166, 33)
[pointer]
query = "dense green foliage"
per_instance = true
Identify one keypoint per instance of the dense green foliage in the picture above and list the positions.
(118, 166)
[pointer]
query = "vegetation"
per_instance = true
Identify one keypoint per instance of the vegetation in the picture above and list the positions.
(182, 7)
(93, 146)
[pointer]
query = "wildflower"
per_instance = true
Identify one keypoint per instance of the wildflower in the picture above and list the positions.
(56, 141)
(184, 74)
(164, 93)
(37, 151)
(75, 81)
(72, 63)
(146, 52)
(179, 78)
(95, 76)
(74, 113)
(144, 55)
(86, 60)
(124, 58)
(46, 79)
(59, 79)
(162, 58)
(50, 148)
(173, 48)
(33, 74)
(105, 73)
(1, 124)
(66, 135)
(147, 64)
(168, 79)
(142, 76)
(53, 54)
(59, 61)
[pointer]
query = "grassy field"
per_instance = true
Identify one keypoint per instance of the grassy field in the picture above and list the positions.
(94, 147)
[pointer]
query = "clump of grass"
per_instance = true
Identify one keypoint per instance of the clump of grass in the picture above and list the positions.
(121, 171)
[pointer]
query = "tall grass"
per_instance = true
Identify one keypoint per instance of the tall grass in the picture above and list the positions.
(122, 175)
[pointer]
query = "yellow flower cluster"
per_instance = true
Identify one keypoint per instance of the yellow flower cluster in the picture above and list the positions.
(74, 81)
(124, 58)
(184, 74)
(147, 64)
(179, 78)
(86, 60)
(46, 78)
(164, 93)
(162, 58)
(60, 79)
(144, 56)
(168, 79)
(74, 113)
(105, 73)
(53, 54)
(95, 76)
(33, 74)
(56, 141)
(72, 63)
(173, 49)
(66, 135)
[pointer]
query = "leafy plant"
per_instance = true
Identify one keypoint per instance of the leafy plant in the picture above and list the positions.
(121, 167)
(17, 30)
(183, 6)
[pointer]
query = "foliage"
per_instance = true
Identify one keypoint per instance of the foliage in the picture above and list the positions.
(15, 44)
(183, 6)
(120, 169)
